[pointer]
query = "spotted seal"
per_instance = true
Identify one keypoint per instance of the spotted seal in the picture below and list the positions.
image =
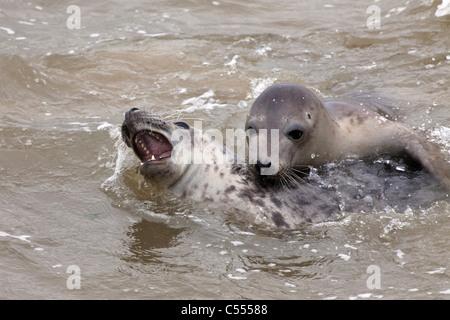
(166, 165)
(315, 132)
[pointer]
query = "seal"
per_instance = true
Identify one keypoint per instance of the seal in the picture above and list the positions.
(167, 161)
(314, 132)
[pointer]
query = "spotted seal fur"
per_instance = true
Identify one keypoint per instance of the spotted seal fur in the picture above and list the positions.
(151, 138)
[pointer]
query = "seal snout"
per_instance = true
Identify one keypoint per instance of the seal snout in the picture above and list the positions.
(126, 130)
(129, 112)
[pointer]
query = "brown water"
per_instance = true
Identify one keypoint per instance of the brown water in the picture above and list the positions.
(69, 192)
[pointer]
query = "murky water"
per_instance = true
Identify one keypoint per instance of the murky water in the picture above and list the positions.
(70, 195)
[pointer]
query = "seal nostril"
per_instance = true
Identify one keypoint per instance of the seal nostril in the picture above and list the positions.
(129, 112)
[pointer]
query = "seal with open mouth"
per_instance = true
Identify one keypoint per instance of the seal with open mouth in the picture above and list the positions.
(165, 164)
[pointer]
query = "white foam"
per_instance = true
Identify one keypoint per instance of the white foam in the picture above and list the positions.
(400, 253)
(121, 156)
(22, 237)
(441, 135)
(8, 30)
(290, 285)
(150, 213)
(236, 277)
(437, 271)
(258, 85)
(443, 9)
(232, 64)
(26, 23)
(202, 102)
(343, 256)
(156, 35)
(263, 51)
(104, 125)
(363, 296)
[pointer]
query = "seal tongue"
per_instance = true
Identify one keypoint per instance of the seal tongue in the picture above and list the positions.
(150, 146)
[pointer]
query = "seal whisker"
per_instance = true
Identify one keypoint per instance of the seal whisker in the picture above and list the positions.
(295, 179)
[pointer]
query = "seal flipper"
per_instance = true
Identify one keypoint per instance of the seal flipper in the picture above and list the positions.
(427, 154)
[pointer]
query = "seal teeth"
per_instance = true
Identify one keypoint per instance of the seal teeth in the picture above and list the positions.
(153, 157)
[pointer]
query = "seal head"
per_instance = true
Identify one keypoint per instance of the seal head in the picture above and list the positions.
(150, 138)
(296, 114)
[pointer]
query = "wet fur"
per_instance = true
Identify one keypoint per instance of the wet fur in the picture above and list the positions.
(334, 130)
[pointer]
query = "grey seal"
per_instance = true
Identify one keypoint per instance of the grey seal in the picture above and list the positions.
(314, 132)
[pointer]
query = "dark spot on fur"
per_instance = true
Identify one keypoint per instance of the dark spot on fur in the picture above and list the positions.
(230, 189)
(305, 202)
(349, 113)
(360, 119)
(221, 174)
(278, 219)
(205, 186)
(216, 168)
(258, 202)
(245, 193)
(276, 202)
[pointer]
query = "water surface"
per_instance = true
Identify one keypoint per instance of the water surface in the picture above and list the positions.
(69, 191)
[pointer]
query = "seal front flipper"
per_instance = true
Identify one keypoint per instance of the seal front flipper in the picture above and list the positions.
(427, 154)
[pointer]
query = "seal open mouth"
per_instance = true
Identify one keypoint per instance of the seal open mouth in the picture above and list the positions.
(151, 146)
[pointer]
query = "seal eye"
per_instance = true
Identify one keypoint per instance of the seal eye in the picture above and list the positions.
(295, 134)
(182, 124)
